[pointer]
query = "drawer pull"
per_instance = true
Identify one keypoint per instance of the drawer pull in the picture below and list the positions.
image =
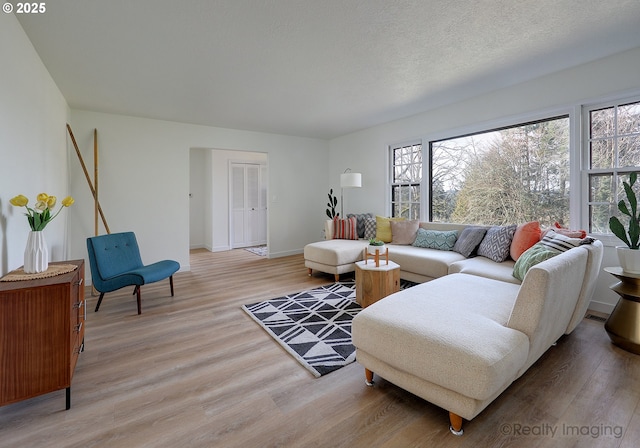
(78, 327)
(79, 282)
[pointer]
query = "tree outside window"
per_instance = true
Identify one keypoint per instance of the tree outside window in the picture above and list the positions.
(505, 176)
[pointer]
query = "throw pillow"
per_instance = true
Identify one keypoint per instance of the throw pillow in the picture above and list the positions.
(360, 220)
(557, 227)
(532, 256)
(369, 228)
(344, 229)
(404, 232)
(383, 228)
(526, 235)
(497, 243)
(469, 240)
(436, 239)
(561, 243)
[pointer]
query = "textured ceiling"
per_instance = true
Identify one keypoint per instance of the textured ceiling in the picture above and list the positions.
(315, 68)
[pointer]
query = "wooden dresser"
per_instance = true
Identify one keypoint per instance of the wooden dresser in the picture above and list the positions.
(41, 334)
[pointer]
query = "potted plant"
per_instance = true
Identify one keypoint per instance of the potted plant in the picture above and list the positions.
(628, 255)
(331, 214)
(374, 244)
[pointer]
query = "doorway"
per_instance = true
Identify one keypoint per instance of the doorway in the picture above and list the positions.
(248, 204)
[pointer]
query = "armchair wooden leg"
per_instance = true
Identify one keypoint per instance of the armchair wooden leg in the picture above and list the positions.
(99, 302)
(139, 300)
(368, 377)
(455, 424)
(171, 283)
(336, 277)
(309, 271)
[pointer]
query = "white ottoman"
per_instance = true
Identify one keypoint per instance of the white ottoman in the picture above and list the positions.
(334, 256)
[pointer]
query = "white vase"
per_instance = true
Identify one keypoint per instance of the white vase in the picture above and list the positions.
(372, 249)
(36, 254)
(629, 259)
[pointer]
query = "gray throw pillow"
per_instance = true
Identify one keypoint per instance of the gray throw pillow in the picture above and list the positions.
(469, 240)
(370, 227)
(360, 221)
(497, 243)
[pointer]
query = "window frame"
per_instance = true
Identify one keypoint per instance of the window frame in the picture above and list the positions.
(391, 176)
(608, 238)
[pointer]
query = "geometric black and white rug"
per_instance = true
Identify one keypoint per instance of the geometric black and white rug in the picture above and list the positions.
(313, 326)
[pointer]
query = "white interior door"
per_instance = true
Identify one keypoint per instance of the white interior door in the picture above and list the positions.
(248, 205)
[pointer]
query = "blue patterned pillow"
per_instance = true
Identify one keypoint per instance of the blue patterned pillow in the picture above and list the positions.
(497, 243)
(436, 239)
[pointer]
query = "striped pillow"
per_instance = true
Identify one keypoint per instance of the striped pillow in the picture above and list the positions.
(558, 242)
(345, 229)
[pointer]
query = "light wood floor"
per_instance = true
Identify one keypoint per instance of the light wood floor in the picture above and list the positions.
(194, 370)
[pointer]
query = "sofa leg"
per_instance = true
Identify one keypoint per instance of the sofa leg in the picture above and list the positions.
(336, 277)
(309, 271)
(455, 424)
(171, 284)
(368, 375)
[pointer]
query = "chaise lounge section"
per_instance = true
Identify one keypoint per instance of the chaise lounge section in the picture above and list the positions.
(459, 341)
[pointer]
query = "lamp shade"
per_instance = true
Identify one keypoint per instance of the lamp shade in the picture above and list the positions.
(350, 180)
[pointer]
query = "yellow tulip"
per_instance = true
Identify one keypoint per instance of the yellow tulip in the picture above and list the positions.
(68, 201)
(19, 201)
(42, 197)
(40, 206)
(51, 202)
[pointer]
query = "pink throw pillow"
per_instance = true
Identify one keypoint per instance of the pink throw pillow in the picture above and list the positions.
(526, 236)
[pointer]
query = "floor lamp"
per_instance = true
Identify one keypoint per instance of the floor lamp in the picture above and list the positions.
(348, 180)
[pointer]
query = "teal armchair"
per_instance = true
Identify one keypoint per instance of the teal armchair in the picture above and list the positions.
(115, 262)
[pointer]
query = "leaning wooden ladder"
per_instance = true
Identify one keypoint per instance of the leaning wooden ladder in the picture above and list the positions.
(92, 186)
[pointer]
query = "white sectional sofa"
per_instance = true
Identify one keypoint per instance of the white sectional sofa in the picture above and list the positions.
(461, 337)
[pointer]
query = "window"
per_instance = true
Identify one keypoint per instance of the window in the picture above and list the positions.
(406, 179)
(503, 176)
(613, 151)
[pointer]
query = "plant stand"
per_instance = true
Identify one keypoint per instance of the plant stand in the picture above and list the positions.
(623, 325)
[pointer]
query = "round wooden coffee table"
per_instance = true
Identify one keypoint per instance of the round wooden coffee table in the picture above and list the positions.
(623, 325)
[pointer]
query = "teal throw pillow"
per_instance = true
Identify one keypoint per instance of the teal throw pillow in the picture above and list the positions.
(531, 257)
(436, 239)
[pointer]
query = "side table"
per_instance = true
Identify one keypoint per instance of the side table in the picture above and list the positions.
(623, 325)
(376, 282)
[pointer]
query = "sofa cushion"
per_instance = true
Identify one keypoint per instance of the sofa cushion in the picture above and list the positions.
(526, 235)
(335, 252)
(383, 228)
(450, 331)
(469, 240)
(436, 239)
(483, 267)
(430, 263)
(345, 228)
(404, 232)
(497, 243)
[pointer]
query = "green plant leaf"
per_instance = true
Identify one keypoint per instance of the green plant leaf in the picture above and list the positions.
(631, 197)
(618, 230)
(622, 206)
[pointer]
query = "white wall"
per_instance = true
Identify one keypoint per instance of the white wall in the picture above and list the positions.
(144, 183)
(366, 151)
(33, 146)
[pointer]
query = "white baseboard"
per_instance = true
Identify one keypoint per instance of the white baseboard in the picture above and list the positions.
(601, 307)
